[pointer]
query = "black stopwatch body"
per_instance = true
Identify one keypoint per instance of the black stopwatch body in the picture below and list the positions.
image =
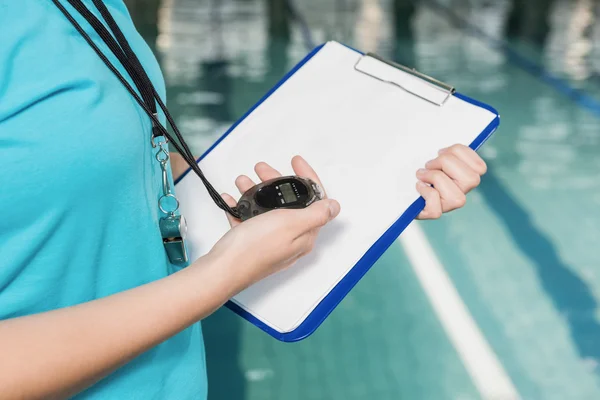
(284, 192)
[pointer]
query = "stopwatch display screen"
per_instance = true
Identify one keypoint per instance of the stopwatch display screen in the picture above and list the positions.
(284, 193)
(288, 193)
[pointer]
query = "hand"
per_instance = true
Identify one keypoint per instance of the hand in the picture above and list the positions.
(275, 240)
(454, 173)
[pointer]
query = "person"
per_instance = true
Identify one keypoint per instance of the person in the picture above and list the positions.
(90, 306)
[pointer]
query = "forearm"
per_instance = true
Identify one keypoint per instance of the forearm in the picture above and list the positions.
(178, 165)
(59, 353)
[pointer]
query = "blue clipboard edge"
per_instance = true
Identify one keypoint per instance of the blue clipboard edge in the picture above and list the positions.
(337, 294)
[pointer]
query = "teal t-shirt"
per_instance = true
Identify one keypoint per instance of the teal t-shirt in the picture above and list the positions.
(79, 187)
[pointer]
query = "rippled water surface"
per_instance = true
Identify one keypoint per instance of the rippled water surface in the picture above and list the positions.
(523, 254)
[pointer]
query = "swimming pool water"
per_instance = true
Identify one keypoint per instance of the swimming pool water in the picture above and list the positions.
(523, 254)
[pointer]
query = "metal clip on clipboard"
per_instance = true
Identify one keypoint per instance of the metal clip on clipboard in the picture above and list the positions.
(407, 79)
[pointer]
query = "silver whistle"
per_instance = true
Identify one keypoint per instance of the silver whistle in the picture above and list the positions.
(173, 229)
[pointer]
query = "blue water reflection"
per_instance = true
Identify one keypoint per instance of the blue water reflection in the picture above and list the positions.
(522, 254)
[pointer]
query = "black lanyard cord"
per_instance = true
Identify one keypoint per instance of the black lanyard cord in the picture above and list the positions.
(141, 81)
(139, 69)
(144, 86)
(134, 68)
(114, 27)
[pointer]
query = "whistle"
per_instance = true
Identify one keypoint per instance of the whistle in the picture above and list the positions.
(173, 229)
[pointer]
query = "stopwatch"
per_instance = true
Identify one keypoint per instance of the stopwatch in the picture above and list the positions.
(284, 192)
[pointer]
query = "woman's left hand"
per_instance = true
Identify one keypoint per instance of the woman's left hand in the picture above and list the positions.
(445, 180)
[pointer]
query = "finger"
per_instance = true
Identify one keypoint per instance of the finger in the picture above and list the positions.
(459, 171)
(433, 203)
(468, 156)
(243, 183)
(315, 216)
(231, 203)
(265, 171)
(450, 194)
(302, 168)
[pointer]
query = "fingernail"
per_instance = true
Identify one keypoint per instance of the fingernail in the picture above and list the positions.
(421, 184)
(334, 209)
(428, 163)
(443, 150)
(421, 171)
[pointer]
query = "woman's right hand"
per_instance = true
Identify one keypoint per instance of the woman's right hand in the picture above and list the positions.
(72, 348)
(275, 240)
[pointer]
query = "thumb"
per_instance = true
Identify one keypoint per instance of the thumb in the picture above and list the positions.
(231, 203)
(318, 214)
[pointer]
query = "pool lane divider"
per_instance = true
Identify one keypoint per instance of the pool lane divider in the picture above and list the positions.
(578, 96)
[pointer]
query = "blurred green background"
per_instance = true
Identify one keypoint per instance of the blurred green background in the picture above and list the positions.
(523, 255)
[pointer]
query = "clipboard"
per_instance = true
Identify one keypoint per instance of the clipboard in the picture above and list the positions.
(352, 115)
